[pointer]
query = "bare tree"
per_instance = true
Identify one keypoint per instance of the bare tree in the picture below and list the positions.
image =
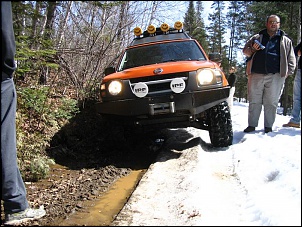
(63, 23)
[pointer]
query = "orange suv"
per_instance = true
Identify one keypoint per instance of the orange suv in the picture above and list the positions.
(164, 79)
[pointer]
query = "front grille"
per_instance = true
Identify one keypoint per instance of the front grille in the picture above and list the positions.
(158, 84)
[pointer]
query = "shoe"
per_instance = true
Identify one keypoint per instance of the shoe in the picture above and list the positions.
(249, 129)
(267, 129)
(291, 124)
(23, 216)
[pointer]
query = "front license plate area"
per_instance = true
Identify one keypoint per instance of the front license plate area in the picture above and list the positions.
(161, 108)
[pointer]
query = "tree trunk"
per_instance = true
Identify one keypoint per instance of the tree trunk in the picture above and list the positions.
(64, 22)
(50, 18)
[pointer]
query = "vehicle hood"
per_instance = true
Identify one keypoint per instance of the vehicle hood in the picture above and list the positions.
(167, 68)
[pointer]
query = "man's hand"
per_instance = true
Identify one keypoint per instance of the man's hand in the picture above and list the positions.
(255, 47)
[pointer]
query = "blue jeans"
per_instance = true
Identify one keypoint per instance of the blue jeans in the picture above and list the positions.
(296, 112)
(13, 188)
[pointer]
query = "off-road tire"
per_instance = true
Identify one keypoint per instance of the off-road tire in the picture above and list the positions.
(220, 125)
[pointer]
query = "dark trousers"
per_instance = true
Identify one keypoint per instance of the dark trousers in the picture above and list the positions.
(13, 188)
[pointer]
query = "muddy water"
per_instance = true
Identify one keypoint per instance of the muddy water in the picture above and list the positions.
(102, 211)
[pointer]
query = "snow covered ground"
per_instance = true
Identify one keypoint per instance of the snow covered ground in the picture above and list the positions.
(256, 181)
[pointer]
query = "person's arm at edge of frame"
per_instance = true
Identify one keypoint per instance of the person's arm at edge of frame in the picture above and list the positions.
(291, 59)
(8, 40)
(297, 48)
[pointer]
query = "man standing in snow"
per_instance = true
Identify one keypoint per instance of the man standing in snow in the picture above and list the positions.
(271, 59)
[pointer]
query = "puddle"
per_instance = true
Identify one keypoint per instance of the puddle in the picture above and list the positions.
(102, 211)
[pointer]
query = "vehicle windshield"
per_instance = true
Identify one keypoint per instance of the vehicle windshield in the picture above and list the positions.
(158, 53)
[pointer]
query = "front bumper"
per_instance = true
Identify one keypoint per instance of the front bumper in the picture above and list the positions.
(190, 103)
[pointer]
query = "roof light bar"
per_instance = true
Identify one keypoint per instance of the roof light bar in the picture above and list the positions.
(152, 30)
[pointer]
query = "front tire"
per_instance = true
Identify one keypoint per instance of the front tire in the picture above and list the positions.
(220, 125)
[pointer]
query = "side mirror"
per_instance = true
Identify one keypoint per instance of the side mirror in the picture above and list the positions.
(109, 70)
(216, 57)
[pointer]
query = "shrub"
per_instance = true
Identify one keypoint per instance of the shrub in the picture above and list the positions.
(38, 118)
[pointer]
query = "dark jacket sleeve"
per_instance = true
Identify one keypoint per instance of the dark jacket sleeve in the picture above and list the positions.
(297, 48)
(8, 48)
(232, 79)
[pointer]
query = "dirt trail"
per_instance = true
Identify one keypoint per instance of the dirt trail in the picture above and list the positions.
(89, 160)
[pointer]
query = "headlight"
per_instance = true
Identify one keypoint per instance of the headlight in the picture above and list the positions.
(208, 76)
(115, 87)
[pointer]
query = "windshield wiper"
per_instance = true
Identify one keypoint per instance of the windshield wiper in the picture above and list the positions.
(188, 59)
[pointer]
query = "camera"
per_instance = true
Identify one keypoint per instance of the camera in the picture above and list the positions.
(260, 45)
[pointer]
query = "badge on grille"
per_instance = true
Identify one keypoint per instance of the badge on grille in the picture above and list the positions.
(158, 71)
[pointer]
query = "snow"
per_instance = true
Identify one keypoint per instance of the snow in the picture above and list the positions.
(255, 181)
